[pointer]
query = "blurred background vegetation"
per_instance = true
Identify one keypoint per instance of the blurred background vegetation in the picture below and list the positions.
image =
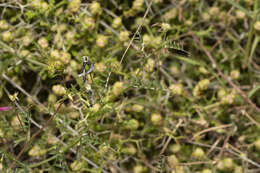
(175, 86)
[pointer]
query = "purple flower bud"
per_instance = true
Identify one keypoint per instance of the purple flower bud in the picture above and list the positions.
(7, 108)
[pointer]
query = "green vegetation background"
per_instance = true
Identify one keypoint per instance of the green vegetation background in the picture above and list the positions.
(175, 84)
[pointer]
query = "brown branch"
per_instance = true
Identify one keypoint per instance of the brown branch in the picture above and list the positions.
(215, 66)
(35, 135)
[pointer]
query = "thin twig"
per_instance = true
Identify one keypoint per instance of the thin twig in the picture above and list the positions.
(131, 41)
(215, 66)
(35, 135)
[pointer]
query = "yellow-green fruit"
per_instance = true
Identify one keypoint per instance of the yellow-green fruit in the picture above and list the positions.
(118, 88)
(139, 169)
(175, 148)
(234, 74)
(238, 169)
(198, 153)
(206, 171)
(165, 26)
(7, 36)
(90, 23)
(36, 151)
(257, 26)
(147, 39)
(203, 70)
(228, 99)
(205, 16)
(4, 25)
(74, 115)
(55, 54)
(240, 14)
(95, 108)
(221, 93)
(137, 4)
(95, 8)
(77, 165)
(16, 123)
(172, 161)
(172, 14)
(203, 84)
(1, 133)
(156, 119)
(100, 67)
(52, 98)
(132, 124)
(156, 41)
(101, 41)
(137, 108)
(65, 57)
(58, 90)
(51, 139)
(188, 22)
(117, 22)
(149, 66)
(229, 163)
(130, 149)
(43, 42)
(257, 144)
(74, 5)
(123, 36)
(25, 53)
(103, 149)
(214, 11)
(176, 89)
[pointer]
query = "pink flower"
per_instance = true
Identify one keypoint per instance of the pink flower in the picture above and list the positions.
(7, 108)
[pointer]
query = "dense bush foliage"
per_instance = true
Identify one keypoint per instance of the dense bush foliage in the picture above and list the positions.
(175, 86)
